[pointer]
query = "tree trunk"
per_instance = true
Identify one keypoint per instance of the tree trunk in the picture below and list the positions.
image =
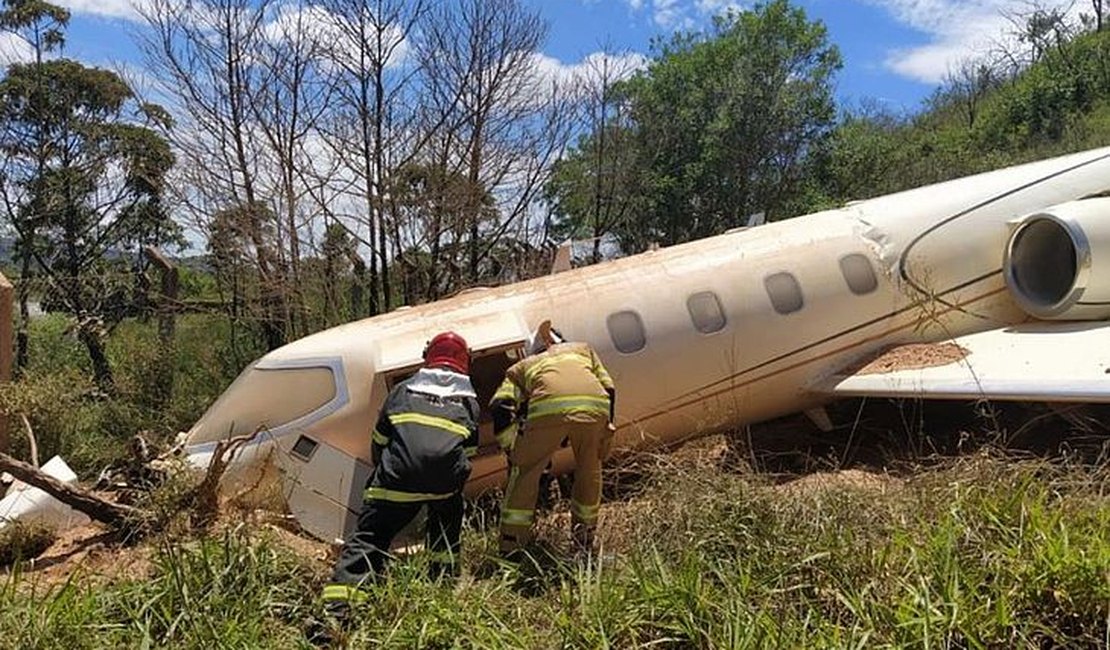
(102, 370)
(22, 335)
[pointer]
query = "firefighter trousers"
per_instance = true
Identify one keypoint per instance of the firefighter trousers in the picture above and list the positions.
(366, 553)
(531, 453)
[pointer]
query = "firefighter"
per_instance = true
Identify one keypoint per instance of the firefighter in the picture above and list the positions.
(560, 392)
(421, 448)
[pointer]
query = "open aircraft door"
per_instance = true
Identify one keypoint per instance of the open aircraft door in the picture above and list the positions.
(322, 483)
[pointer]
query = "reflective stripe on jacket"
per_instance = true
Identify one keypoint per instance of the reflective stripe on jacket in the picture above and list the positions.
(566, 379)
(422, 445)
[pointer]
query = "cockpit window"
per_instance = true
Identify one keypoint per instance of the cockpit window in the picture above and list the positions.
(266, 397)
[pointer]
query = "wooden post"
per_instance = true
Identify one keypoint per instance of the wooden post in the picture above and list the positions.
(5, 352)
(167, 305)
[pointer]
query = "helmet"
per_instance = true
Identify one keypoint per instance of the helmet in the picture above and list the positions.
(449, 350)
(544, 337)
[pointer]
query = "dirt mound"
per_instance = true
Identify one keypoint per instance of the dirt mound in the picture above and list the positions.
(848, 479)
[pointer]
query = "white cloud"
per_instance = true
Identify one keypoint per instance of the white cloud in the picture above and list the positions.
(717, 7)
(14, 49)
(668, 13)
(566, 75)
(684, 14)
(107, 8)
(957, 30)
(291, 21)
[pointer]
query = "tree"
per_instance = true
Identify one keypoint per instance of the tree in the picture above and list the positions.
(727, 123)
(372, 132)
(593, 188)
(41, 25)
(85, 175)
(205, 54)
(508, 123)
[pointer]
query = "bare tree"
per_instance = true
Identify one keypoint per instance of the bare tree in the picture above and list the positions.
(967, 84)
(511, 121)
(370, 130)
(287, 105)
(203, 55)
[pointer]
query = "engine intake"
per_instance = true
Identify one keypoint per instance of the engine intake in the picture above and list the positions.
(1057, 262)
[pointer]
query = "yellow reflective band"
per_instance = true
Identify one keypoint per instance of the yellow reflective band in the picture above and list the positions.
(380, 438)
(603, 376)
(569, 404)
(397, 496)
(507, 391)
(337, 591)
(510, 517)
(430, 421)
(506, 438)
(470, 451)
(584, 513)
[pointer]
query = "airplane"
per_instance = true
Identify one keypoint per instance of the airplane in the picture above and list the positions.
(995, 286)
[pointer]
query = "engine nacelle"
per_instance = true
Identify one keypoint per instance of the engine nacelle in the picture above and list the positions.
(1057, 262)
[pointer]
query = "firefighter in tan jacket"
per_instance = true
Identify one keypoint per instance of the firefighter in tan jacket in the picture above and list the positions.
(560, 393)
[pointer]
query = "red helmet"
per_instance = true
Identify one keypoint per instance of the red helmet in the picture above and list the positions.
(449, 350)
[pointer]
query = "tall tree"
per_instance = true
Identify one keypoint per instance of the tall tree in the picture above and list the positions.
(372, 132)
(86, 173)
(593, 188)
(727, 122)
(41, 25)
(205, 54)
(510, 121)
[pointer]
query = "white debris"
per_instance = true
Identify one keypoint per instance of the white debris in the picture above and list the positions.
(32, 505)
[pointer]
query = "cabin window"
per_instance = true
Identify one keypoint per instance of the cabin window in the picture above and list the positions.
(627, 331)
(705, 311)
(859, 275)
(784, 291)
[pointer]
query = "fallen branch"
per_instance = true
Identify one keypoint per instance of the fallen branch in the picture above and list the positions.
(31, 440)
(116, 515)
(206, 495)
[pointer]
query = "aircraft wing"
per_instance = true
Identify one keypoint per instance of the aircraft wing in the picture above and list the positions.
(1035, 362)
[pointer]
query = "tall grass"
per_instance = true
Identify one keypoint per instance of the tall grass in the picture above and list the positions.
(983, 552)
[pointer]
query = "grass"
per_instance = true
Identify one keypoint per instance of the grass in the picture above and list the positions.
(982, 552)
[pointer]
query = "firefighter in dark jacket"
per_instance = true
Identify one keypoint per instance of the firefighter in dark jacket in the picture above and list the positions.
(560, 393)
(422, 444)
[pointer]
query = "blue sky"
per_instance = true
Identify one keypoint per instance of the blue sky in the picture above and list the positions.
(895, 51)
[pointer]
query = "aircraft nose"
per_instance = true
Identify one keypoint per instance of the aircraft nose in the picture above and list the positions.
(275, 396)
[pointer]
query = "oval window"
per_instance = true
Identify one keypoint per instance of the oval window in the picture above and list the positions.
(858, 273)
(784, 291)
(705, 311)
(627, 331)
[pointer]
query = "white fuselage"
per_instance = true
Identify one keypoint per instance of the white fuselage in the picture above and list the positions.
(921, 265)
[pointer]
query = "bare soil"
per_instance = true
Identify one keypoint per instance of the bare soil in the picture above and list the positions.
(909, 357)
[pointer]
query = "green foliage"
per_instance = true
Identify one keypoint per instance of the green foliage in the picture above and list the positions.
(83, 174)
(71, 417)
(982, 552)
(722, 125)
(225, 592)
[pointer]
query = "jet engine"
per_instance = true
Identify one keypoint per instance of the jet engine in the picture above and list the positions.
(1057, 262)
